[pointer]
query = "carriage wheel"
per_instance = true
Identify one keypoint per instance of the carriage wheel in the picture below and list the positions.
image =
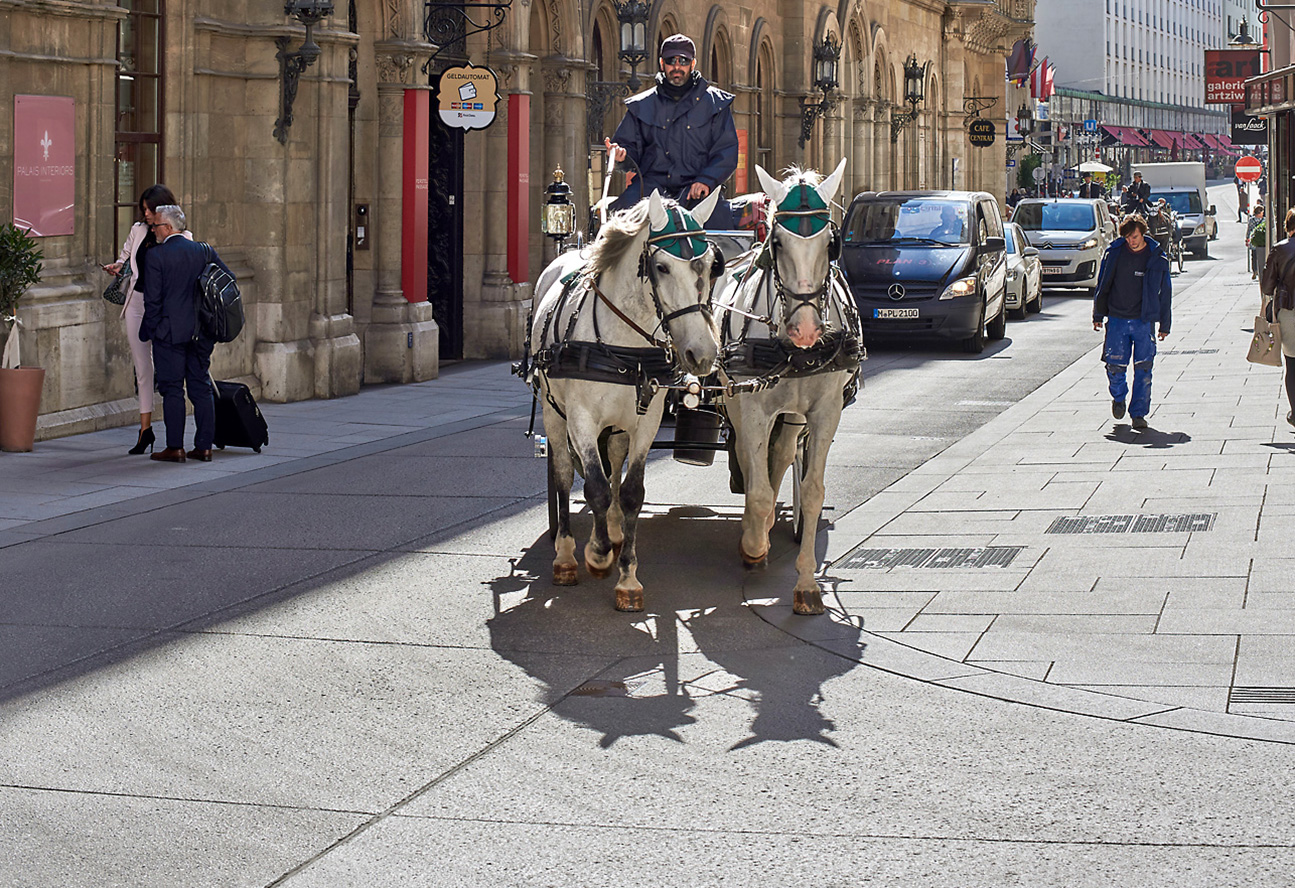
(553, 501)
(798, 468)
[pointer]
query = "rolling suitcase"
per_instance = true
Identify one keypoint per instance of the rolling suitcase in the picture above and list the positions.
(239, 422)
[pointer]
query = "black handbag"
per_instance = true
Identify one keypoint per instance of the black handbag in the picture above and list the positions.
(115, 292)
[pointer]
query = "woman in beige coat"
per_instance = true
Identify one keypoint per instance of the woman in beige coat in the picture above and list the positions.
(1278, 283)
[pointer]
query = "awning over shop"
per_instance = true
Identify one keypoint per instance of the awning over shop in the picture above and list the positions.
(1193, 141)
(1126, 135)
(1211, 141)
(1163, 138)
(1226, 146)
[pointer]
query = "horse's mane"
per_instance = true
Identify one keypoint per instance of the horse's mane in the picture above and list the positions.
(616, 237)
(811, 178)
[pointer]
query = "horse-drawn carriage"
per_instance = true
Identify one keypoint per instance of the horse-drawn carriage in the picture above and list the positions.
(762, 353)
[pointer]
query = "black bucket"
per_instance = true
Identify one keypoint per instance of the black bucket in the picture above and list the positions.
(696, 436)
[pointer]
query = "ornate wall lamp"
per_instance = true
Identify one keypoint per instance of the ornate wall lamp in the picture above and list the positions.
(1025, 126)
(599, 94)
(914, 94)
(293, 64)
(826, 56)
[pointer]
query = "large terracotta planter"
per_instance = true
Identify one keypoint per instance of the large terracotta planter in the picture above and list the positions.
(19, 407)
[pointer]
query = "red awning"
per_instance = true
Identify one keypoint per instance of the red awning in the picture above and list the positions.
(1126, 135)
(1210, 140)
(1226, 146)
(1192, 141)
(1163, 138)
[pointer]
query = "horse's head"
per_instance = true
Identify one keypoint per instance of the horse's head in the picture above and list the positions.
(802, 241)
(678, 263)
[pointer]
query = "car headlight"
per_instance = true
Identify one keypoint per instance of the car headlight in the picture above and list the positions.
(1090, 244)
(1200, 229)
(964, 287)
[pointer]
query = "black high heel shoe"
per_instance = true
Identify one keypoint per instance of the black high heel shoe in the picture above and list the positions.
(146, 439)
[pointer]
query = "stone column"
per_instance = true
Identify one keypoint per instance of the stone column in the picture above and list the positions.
(563, 143)
(402, 341)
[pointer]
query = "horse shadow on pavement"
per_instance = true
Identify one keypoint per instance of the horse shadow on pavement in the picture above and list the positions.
(710, 629)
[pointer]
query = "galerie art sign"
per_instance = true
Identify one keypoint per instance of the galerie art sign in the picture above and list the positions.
(44, 171)
(1226, 71)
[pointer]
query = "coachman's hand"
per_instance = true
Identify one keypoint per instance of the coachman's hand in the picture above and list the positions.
(698, 190)
(616, 151)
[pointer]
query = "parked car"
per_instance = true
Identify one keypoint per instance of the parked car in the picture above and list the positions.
(1024, 273)
(1071, 235)
(927, 263)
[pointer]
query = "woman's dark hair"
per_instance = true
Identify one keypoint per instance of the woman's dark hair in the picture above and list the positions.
(156, 196)
(1132, 221)
(1290, 220)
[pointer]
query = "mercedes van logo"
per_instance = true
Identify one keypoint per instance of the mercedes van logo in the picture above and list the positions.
(896, 292)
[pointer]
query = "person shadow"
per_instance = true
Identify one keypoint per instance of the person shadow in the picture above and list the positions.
(1150, 437)
(710, 629)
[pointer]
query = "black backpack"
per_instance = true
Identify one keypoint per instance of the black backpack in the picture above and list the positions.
(220, 305)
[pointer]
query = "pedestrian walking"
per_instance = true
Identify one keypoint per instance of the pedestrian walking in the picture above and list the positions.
(1278, 284)
(139, 240)
(1256, 240)
(1243, 201)
(1133, 297)
(181, 348)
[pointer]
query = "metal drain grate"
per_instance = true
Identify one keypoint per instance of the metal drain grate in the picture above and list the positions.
(883, 559)
(1187, 351)
(1261, 695)
(1190, 523)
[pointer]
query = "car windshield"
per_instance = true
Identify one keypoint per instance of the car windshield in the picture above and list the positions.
(1179, 201)
(915, 220)
(1055, 216)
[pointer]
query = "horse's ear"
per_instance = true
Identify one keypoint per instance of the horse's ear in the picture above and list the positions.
(657, 216)
(827, 188)
(702, 211)
(770, 186)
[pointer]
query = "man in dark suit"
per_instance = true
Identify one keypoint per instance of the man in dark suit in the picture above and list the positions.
(1091, 189)
(181, 350)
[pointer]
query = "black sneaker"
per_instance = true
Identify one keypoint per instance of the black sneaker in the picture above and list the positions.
(1139, 422)
(1117, 409)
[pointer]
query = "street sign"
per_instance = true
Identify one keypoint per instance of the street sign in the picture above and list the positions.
(467, 97)
(1039, 174)
(1090, 126)
(981, 132)
(1249, 169)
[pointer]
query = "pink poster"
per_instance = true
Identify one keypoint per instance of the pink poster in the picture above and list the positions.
(44, 172)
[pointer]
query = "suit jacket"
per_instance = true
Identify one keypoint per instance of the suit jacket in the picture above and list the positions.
(170, 290)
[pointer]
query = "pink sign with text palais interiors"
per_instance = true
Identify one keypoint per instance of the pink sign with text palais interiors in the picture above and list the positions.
(44, 170)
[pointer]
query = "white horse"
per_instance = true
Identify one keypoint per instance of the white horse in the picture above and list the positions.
(790, 349)
(607, 330)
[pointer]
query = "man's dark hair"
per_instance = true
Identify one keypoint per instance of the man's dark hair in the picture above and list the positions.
(1132, 221)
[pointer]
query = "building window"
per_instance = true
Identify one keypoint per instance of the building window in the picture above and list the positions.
(139, 106)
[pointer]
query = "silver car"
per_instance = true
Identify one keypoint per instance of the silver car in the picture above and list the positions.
(1071, 235)
(1024, 273)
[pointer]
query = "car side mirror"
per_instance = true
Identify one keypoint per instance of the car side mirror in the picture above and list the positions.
(1030, 251)
(1212, 211)
(993, 245)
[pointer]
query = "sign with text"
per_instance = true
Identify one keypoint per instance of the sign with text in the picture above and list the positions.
(467, 97)
(1226, 71)
(981, 132)
(1248, 130)
(44, 170)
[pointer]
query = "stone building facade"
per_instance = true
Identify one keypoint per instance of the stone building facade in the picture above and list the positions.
(188, 91)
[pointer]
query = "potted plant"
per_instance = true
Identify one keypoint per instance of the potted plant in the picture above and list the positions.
(19, 386)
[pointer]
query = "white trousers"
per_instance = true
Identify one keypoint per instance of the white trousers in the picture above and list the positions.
(140, 352)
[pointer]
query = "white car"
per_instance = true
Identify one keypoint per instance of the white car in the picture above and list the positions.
(1024, 273)
(1071, 235)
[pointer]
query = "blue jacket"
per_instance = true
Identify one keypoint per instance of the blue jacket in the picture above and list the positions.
(170, 289)
(678, 143)
(1156, 291)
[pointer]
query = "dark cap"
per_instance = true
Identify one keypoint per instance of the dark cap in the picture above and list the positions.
(678, 45)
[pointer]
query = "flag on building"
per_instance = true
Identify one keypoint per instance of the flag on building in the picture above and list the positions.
(1042, 80)
(1020, 60)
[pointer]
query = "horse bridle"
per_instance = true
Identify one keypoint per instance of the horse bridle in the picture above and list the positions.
(817, 298)
(684, 237)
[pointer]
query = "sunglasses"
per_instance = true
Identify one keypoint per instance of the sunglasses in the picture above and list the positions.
(678, 61)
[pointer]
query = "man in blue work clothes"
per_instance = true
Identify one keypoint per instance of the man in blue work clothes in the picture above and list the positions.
(680, 135)
(1133, 296)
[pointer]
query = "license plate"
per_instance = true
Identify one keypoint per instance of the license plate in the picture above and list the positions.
(894, 313)
(1047, 270)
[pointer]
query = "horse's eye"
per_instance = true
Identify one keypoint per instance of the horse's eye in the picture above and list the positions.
(662, 268)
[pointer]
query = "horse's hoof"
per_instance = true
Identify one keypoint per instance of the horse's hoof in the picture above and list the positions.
(808, 604)
(750, 562)
(629, 600)
(564, 575)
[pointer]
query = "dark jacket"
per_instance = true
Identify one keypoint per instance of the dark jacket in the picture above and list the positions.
(678, 143)
(1092, 190)
(170, 289)
(1156, 290)
(1280, 268)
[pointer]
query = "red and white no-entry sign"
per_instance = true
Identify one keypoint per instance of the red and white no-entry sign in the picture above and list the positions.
(1249, 169)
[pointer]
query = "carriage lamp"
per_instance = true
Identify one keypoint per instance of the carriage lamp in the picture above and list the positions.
(633, 16)
(1024, 121)
(559, 218)
(293, 64)
(1243, 40)
(914, 94)
(826, 55)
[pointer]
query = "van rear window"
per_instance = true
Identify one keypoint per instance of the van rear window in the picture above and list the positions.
(1055, 217)
(916, 220)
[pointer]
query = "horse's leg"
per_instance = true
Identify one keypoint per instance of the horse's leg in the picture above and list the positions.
(753, 429)
(598, 551)
(823, 419)
(565, 566)
(629, 591)
(782, 453)
(618, 445)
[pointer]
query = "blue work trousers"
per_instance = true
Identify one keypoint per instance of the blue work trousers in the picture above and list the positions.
(1129, 340)
(180, 367)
